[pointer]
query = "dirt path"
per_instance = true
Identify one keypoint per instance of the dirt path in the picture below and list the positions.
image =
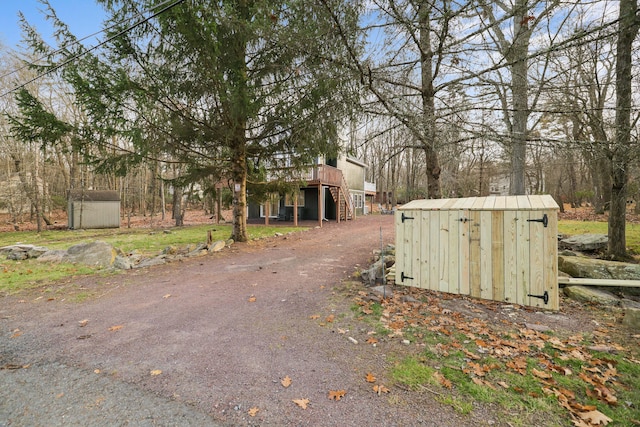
(223, 330)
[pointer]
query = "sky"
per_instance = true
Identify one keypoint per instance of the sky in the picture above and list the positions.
(84, 17)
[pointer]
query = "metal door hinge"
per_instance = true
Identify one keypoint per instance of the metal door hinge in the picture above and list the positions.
(544, 297)
(402, 277)
(544, 220)
(405, 217)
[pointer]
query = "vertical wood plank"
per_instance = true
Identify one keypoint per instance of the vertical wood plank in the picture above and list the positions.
(474, 254)
(402, 246)
(434, 251)
(465, 257)
(414, 228)
(445, 251)
(455, 255)
(550, 265)
(510, 255)
(523, 257)
(497, 255)
(486, 288)
(536, 257)
(422, 222)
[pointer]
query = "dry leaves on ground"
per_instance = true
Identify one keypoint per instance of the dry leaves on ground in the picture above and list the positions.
(512, 349)
(336, 394)
(301, 403)
(286, 381)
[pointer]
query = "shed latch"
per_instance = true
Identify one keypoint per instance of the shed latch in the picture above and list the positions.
(402, 277)
(544, 220)
(544, 297)
(405, 217)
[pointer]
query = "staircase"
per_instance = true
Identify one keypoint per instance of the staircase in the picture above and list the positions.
(341, 196)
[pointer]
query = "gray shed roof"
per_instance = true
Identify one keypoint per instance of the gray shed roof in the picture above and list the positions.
(94, 195)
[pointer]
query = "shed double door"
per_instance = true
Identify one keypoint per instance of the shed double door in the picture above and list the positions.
(508, 253)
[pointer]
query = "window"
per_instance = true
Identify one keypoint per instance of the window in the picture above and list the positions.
(274, 206)
(288, 199)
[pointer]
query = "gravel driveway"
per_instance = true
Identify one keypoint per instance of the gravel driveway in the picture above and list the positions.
(205, 341)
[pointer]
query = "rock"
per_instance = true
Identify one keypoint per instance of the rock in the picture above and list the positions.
(170, 250)
(217, 246)
(373, 274)
(123, 263)
(229, 242)
(536, 327)
(97, 254)
(159, 260)
(55, 255)
(17, 256)
(383, 291)
(586, 294)
(586, 242)
(631, 311)
(598, 269)
(19, 252)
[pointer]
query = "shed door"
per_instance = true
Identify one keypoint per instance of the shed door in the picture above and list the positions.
(408, 247)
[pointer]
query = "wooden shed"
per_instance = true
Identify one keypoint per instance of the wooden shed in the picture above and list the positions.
(93, 209)
(502, 248)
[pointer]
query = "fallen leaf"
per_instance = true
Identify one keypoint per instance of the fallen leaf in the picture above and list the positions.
(301, 403)
(370, 378)
(372, 340)
(253, 411)
(336, 394)
(314, 316)
(83, 323)
(596, 418)
(442, 380)
(166, 296)
(59, 395)
(96, 371)
(541, 374)
(342, 331)
(116, 328)
(16, 333)
(252, 298)
(329, 318)
(286, 381)
(503, 384)
(155, 372)
(380, 389)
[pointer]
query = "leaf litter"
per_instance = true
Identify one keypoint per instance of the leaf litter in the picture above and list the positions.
(511, 348)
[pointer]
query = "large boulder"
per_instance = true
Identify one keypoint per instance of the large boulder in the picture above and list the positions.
(590, 294)
(19, 252)
(631, 314)
(96, 254)
(576, 266)
(586, 242)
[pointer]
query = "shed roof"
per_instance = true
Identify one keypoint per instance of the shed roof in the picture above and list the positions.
(94, 195)
(490, 203)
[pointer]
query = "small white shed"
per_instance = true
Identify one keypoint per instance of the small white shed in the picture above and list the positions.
(502, 248)
(93, 209)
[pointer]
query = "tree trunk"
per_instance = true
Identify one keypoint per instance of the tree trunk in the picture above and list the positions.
(620, 162)
(517, 57)
(177, 206)
(428, 104)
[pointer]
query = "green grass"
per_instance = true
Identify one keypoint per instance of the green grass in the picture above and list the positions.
(16, 276)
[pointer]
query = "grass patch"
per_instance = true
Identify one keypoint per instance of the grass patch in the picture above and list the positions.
(16, 276)
(412, 373)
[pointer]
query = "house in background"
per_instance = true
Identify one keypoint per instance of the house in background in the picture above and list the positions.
(333, 189)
